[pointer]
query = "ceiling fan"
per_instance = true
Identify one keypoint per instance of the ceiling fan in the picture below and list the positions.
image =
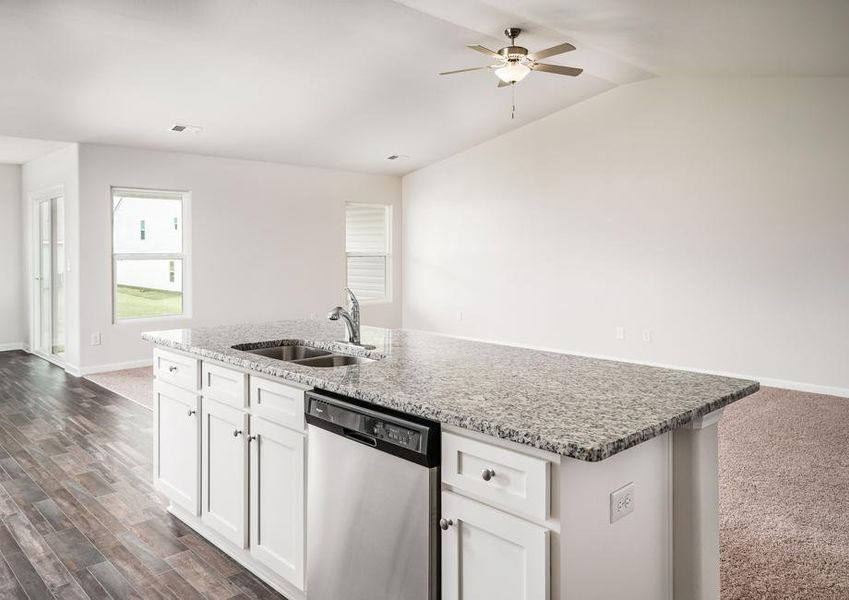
(515, 62)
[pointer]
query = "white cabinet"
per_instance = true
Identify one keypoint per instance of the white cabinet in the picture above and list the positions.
(224, 470)
(487, 553)
(499, 475)
(277, 499)
(176, 369)
(224, 385)
(176, 453)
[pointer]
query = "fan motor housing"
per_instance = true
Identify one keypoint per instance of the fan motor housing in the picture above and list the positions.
(513, 52)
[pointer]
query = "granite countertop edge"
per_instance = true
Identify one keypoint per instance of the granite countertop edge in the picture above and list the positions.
(516, 435)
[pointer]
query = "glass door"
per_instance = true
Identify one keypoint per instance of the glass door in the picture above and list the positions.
(50, 279)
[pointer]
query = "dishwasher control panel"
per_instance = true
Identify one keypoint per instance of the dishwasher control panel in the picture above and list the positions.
(371, 424)
(396, 434)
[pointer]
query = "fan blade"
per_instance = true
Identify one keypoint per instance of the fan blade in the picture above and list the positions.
(572, 71)
(486, 51)
(553, 51)
(464, 70)
(502, 83)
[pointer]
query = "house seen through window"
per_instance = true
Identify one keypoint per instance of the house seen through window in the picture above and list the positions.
(367, 245)
(149, 259)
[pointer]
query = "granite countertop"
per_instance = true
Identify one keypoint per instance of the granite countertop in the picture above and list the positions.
(579, 407)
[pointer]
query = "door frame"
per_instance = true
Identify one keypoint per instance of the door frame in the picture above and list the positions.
(47, 194)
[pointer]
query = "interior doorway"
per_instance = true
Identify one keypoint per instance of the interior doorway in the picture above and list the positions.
(49, 278)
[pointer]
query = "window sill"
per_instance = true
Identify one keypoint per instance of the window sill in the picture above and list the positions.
(150, 320)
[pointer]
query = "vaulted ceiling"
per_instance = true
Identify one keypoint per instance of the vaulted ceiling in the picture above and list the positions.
(346, 84)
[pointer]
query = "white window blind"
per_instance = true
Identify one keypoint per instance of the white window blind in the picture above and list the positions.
(367, 248)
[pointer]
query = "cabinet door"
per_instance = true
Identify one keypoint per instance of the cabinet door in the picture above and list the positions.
(176, 454)
(277, 499)
(487, 553)
(224, 462)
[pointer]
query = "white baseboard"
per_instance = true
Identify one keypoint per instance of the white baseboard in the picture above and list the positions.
(133, 364)
(9, 346)
(799, 386)
(73, 370)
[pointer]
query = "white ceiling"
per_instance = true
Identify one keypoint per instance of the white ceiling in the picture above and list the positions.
(17, 151)
(345, 84)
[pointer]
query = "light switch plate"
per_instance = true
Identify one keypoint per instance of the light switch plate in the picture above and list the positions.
(622, 502)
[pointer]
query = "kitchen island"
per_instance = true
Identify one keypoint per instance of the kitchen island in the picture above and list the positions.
(609, 469)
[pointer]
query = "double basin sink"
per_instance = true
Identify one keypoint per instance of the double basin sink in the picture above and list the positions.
(306, 356)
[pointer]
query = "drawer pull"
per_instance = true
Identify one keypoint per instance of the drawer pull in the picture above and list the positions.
(172, 369)
(251, 438)
(192, 412)
(237, 433)
(487, 474)
(444, 524)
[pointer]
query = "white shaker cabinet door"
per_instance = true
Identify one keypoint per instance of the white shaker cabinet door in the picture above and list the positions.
(224, 481)
(277, 499)
(176, 457)
(487, 553)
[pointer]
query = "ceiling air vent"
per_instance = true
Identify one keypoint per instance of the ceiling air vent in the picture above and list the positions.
(183, 128)
(397, 157)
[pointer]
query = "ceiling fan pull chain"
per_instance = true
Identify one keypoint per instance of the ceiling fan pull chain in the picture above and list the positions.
(513, 111)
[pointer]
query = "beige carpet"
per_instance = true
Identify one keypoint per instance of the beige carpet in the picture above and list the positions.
(784, 497)
(134, 384)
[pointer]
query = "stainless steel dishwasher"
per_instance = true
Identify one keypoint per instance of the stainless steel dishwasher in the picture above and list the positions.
(372, 502)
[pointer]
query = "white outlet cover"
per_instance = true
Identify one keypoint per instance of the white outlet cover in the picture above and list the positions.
(622, 502)
(646, 335)
(620, 333)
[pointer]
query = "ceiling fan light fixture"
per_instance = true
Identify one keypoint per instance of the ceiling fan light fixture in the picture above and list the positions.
(512, 72)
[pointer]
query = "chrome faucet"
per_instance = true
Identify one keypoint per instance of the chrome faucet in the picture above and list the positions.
(352, 319)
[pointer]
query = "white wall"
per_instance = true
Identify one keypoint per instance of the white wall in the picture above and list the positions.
(714, 213)
(267, 241)
(58, 168)
(12, 331)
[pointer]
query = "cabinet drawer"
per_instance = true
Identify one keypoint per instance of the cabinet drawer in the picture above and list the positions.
(278, 402)
(176, 369)
(225, 385)
(505, 477)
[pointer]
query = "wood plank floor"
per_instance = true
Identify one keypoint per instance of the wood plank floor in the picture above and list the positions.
(78, 515)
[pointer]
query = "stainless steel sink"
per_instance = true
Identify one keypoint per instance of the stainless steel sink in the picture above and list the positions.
(289, 353)
(305, 355)
(333, 360)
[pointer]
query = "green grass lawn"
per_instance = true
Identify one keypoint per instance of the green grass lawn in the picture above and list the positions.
(146, 302)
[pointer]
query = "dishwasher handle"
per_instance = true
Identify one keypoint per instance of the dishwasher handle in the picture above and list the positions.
(360, 437)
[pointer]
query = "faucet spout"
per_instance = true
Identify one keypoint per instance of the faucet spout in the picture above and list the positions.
(352, 318)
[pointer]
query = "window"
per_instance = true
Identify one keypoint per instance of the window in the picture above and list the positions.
(367, 243)
(149, 259)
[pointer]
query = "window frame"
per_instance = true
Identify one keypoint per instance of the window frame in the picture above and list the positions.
(184, 256)
(387, 254)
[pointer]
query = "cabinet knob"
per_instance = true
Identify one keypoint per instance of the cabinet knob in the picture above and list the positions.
(444, 524)
(237, 433)
(192, 412)
(251, 438)
(172, 369)
(487, 474)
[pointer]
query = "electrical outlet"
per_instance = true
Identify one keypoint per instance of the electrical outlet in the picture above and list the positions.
(646, 335)
(620, 333)
(460, 315)
(621, 502)
(95, 339)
